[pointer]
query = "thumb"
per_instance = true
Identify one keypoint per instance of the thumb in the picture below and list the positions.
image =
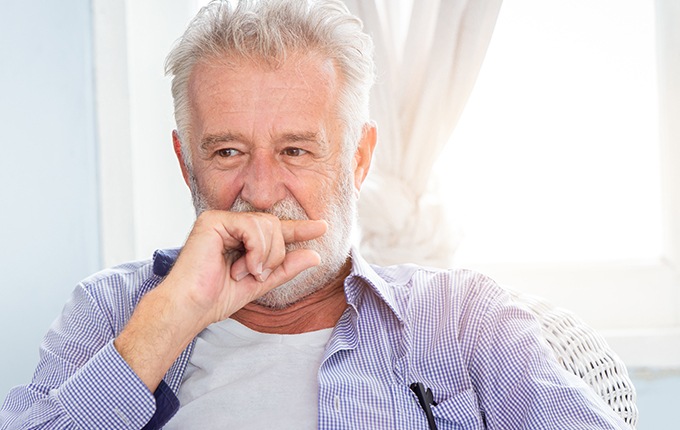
(295, 262)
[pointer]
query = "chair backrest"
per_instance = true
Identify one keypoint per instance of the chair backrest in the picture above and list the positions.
(585, 353)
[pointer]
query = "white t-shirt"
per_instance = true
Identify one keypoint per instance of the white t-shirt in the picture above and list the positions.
(238, 378)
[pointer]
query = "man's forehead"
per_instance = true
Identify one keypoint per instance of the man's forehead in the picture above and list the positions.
(297, 68)
(243, 89)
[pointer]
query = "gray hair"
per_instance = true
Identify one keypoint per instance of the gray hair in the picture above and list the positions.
(269, 30)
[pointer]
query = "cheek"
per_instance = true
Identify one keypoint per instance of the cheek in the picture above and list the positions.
(219, 188)
(316, 195)
(311, 196)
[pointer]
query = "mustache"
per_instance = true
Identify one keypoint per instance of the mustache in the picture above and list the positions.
(287, 209)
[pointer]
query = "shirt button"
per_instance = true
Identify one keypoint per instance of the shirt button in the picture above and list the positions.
(336, 403)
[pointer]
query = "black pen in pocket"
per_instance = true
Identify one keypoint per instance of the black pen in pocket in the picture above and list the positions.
(425, 399)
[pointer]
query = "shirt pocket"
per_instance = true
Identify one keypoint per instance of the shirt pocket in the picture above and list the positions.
(459, 411)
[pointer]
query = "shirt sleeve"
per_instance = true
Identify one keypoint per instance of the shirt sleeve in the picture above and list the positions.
(81, 381)
(519, 382)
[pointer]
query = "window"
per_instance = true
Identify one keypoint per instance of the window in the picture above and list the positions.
(556, 155)
(553, 172)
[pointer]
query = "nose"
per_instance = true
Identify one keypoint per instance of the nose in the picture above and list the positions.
(263, 184)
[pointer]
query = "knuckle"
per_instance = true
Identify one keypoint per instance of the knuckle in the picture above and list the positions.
(251, 222)
(268, 222)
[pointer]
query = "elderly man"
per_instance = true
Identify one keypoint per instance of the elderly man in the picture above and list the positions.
(267, 318)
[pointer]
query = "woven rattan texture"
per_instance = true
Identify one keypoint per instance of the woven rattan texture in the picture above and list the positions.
(585, 353)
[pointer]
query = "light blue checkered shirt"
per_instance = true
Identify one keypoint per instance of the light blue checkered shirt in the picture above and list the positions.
(457, 332)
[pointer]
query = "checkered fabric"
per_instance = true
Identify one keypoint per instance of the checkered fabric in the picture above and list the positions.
(457, 332)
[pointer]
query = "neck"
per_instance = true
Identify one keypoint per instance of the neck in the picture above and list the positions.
(321, 309)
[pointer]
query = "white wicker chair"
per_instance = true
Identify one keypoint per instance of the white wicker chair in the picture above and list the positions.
(585, 353)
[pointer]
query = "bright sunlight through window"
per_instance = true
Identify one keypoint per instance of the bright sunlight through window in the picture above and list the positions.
(556, 156)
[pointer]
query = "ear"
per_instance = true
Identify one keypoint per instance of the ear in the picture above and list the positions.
(177, 146)
(364, 154)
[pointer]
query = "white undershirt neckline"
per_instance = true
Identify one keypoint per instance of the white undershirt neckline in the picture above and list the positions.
(241, 378)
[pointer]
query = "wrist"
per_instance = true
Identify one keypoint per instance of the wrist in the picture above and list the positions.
(159, 330)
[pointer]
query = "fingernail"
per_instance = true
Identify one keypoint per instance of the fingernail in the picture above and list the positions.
(259, 269)
(241, 275)
(265, 274)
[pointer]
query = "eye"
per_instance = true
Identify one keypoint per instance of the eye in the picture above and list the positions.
(227, 152)
(293, 152)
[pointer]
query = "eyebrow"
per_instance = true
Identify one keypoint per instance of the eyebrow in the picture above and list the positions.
(212, 140)
(309, 136)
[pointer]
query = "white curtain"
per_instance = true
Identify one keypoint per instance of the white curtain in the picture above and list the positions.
(426, 71)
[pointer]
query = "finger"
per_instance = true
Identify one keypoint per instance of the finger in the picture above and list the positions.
(262, 245)
(294, 231)
(301, 230)
(295, 263)
(253, 233)
(274, 247)
(255, 237)
(263, 238)
(239, 270)
(277, 252)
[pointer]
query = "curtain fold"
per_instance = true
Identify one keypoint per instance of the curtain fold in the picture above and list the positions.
(422, 87)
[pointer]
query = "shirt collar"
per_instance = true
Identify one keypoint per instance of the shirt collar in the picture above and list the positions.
(361, 276)
(382, 287)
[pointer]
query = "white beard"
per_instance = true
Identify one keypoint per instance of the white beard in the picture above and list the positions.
(333, 247)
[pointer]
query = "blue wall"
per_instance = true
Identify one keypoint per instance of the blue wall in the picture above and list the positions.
(48, 178)
(658, 394)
